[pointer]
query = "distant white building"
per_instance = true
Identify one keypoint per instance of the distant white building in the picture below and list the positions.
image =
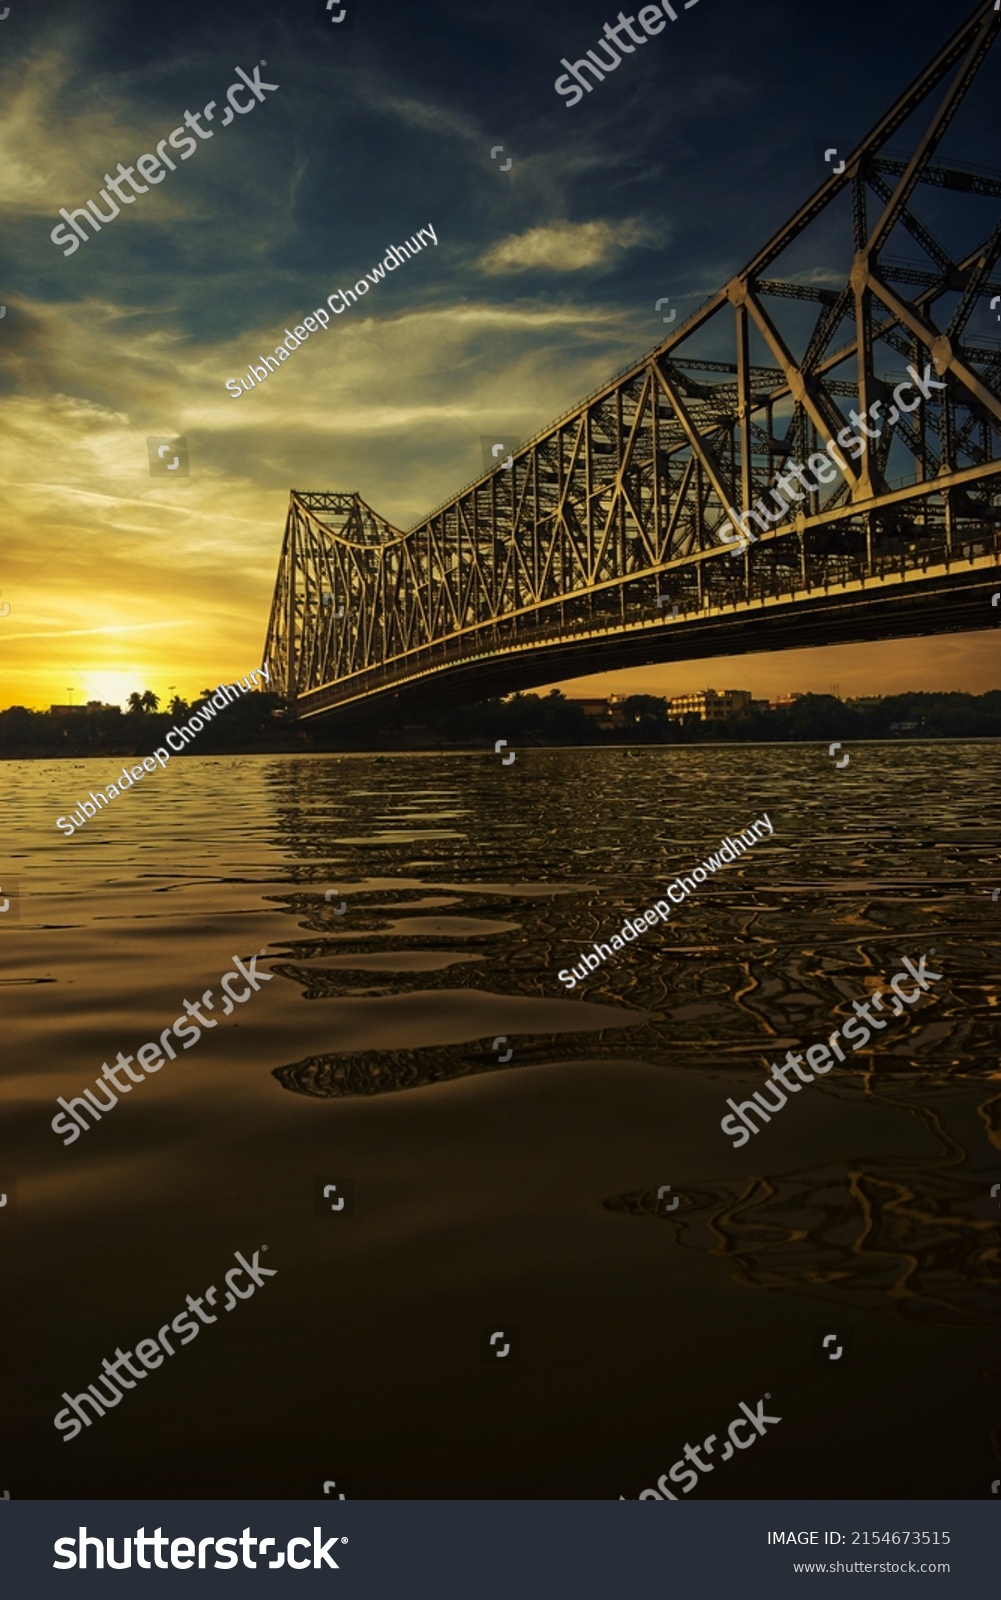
(711, 705)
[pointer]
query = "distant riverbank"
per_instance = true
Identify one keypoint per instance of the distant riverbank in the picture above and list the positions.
(258, 725)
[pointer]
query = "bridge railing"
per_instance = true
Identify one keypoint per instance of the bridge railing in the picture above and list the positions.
(639, 612)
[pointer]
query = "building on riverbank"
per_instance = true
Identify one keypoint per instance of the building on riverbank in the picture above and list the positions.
(713, 705)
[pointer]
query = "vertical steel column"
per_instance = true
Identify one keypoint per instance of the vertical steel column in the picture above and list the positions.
(658, 552)
(950, 526)
(947, 441)
(744, 408)
(290, 580)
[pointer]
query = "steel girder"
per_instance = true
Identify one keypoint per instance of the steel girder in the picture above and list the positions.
(628, 499)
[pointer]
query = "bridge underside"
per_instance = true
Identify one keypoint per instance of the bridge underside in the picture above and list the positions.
(953, 598)
(673, 515)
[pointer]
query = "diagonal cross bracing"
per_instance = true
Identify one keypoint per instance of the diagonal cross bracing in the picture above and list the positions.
(554, 566)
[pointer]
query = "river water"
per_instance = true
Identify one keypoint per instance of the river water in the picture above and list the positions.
(415, 909)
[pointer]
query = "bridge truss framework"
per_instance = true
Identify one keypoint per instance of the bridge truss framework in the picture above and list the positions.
(608, 539)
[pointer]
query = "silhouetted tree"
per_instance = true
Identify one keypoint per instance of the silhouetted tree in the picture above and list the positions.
(647, 714)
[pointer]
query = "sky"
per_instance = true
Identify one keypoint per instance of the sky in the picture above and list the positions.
(542, 285)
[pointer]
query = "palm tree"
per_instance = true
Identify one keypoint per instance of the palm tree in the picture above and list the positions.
(179, 707)
(149, 701)
(136, 704)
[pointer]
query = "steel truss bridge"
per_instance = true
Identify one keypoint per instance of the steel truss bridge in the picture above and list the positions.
(607, 541)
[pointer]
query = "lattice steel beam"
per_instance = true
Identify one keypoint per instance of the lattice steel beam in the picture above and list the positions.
(563, 556)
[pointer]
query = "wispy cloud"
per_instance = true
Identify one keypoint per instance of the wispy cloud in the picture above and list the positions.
(564, 247)
(125, 627)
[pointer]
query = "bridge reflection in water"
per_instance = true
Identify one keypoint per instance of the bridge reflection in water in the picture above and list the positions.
(574, 558)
